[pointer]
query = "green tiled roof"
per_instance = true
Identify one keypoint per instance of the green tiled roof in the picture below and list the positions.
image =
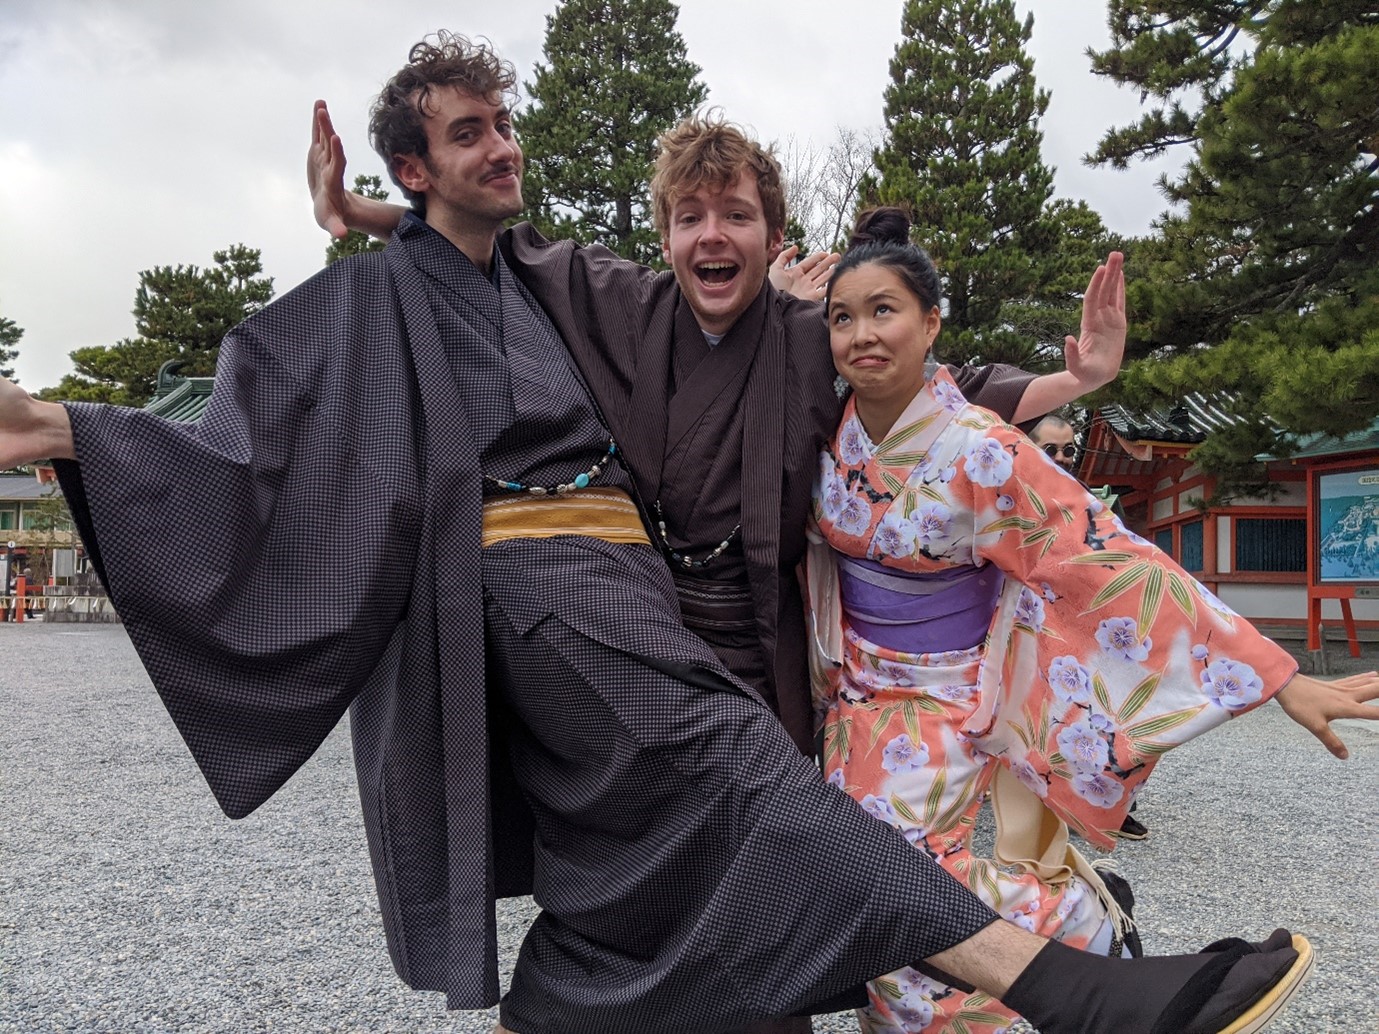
(1316, 445)
(180, 398)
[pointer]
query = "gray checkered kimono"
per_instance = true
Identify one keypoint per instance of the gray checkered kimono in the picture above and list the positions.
(313, 545)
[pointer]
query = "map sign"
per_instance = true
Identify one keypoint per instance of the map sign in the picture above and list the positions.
(1348, 526)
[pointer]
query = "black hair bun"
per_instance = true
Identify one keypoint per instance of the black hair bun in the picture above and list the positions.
(885, 225)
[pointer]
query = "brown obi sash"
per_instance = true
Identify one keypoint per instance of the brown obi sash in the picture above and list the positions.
(597, 513)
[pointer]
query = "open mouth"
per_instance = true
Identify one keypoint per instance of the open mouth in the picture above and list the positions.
(716, 273)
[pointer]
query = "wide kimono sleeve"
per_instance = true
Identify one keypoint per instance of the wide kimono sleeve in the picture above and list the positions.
(1103, 653)
(262, 557)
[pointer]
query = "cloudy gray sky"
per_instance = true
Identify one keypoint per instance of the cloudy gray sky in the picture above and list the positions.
(136, 133)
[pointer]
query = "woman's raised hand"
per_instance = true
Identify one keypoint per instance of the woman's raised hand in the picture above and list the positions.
(808, 278)
(1315, 704)
(1095, 356)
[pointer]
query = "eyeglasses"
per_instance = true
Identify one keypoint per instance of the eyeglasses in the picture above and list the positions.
(1053, 449)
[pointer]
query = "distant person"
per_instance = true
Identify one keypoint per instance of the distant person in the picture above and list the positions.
(1056, 437)
(1058, 440)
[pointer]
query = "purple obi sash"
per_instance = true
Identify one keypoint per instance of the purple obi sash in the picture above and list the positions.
(918, 613)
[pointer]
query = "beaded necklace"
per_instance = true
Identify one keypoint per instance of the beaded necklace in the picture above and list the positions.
(580, 481)
(682, 559)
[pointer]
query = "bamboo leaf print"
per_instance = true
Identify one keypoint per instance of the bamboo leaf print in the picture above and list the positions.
(1182, 597)
(949, 818)
(996, 1019)
(893, 484)
(1007, 523)
(958, 1027)
(881, 720)
(1042, 535)
(905, 459)
(904, 810)
(1104, 557)
(1067, 514)
(1163, 722)
(889, 988)
(1153, 596)
(906, 433)
(836, 739)
(989, 882)
(1023, 733)
(935, 797)
(1215, 605)
(929, 705)
(1035, 501)
(911, 720)
(1056, 758)
(1149, 748)
(1119, 585)
(1102, 696)
(931, 493)
(1139, 696)
(979, 1000)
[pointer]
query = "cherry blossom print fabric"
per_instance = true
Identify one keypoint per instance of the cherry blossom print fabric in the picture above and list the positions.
(1101, 655)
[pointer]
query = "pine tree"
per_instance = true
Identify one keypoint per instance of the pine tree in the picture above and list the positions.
(180, 312)
(962, 154)
(1261, 282)
(10, 333)
(354, 242)
(617, 77)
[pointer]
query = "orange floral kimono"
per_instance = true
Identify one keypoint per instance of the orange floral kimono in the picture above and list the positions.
(1101, 655)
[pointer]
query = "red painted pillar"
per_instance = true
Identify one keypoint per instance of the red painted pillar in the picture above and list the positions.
(20, 584)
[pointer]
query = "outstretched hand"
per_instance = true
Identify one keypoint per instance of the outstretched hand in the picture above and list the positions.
(807, 278)
(31, 430)
(1315, 703)
(1095, 356)
(325, 173)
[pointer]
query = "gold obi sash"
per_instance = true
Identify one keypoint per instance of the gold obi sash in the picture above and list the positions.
(598, 513)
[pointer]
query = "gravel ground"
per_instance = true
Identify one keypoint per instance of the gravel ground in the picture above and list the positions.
(129, 903)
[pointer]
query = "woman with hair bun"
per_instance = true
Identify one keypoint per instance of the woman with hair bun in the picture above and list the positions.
(981, 623)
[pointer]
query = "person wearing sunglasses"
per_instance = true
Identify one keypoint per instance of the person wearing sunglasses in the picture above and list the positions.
(1056, 437)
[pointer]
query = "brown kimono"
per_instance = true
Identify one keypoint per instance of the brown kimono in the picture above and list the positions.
(717, 438)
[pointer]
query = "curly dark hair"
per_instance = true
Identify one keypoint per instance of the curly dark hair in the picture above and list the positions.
(397, 123)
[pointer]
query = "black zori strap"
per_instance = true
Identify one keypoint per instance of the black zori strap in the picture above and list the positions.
(1066, 991)
(1188, 1003)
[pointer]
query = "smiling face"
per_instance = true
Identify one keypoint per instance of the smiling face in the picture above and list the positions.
(719, 246)
(880, 334)
(472, 172)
